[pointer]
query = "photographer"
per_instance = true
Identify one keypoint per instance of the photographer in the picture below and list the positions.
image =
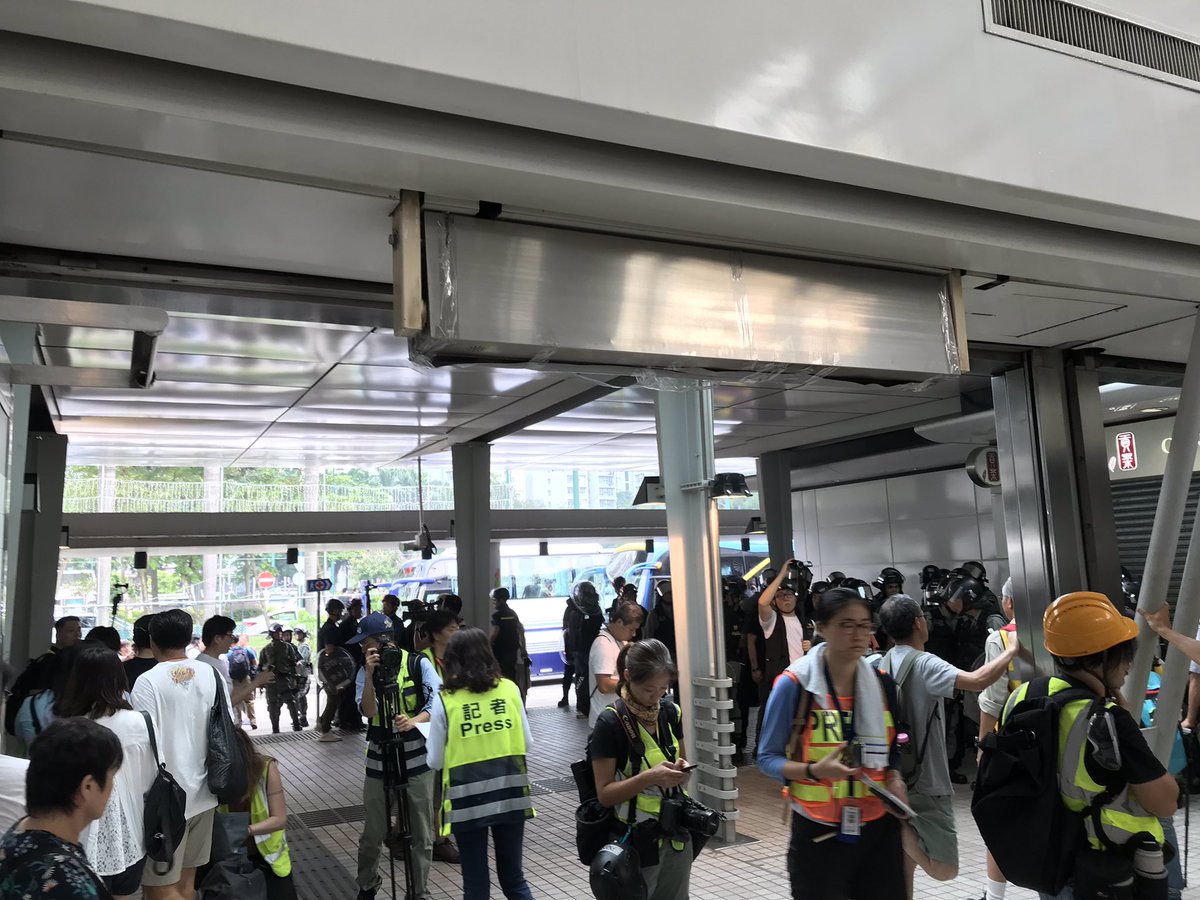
(646, 672)
(828, 727)
(478, 737)
(782, 628)
(418, 684)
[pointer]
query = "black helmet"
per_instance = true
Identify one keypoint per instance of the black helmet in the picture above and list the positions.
(584, 592)
(974, 570)
(857, 585)
(616, 874)
(821, 587)
(836, 578)
(930, 575)
(500, 595)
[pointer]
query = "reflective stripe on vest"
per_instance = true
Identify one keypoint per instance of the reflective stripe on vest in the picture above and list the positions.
(273, 846)
(1123, 816)
(484, 778)
(649, 801)
(412, 741)
(822, 801)
(428, 654)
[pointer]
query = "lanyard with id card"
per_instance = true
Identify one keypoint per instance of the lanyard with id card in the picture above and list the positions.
(850, 825)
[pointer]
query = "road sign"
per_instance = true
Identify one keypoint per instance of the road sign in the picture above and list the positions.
(318, 585)
(266, 581)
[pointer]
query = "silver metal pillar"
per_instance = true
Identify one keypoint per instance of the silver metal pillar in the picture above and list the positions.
(1175, 666)
(684, 422)
(775, 501)
(36, 561)
(472, 529)
(1038, 483)
(1168, 520)
(19, 348)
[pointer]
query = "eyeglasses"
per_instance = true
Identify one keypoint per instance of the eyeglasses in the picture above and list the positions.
(848, 628)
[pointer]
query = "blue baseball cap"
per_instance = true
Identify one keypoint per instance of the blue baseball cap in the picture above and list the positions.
(369, 626)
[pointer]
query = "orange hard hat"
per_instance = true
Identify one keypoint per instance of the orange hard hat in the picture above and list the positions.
(1082, 623)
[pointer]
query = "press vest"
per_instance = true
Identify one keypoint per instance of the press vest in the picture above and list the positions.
(272, 847)
(649, 801)
(412, 741)
(822, 801)
(429, 655)
(1013, 681)
(1123, 817)
(484, 779)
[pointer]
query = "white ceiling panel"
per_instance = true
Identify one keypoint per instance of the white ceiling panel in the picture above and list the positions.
(468, 380)
(1169, 341)
(381, 349)
(129, 405)
(197, 368)
(186, 393)
(429, 419)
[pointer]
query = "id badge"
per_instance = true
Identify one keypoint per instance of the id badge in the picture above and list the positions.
(851, 826)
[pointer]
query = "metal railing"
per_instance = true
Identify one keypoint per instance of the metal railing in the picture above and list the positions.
(83, 495)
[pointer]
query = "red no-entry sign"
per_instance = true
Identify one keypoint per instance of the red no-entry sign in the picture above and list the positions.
(266, 580)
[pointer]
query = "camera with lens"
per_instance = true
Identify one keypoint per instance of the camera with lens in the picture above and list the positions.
(682, 814)
(799, 577)
(390, 659)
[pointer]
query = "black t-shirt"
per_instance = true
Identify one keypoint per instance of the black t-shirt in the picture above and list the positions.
(609, 741)
(136, 667)
(329, 635)
(508, 638)
(1138, 763)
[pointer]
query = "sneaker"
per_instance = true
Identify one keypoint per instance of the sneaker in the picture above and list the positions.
(445, 851)
(328, 737)
(564, 703)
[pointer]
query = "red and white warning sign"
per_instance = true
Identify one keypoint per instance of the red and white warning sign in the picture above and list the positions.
(1126, 451)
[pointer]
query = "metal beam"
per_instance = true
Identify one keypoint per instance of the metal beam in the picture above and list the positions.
(775, 501)
(408, 283)
(473, 530)
(123, 532)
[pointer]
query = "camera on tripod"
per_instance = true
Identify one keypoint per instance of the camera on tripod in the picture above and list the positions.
(681, 815)
(391, 658)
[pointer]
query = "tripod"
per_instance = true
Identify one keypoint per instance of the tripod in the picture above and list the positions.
(395, 775)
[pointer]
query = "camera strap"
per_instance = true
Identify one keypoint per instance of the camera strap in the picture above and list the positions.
(637, 752)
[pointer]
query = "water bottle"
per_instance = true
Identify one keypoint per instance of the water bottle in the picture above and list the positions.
(1149, 870)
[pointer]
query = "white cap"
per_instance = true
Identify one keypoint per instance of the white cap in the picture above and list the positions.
(1006, 591)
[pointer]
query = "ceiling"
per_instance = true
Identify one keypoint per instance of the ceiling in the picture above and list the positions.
(285, 357)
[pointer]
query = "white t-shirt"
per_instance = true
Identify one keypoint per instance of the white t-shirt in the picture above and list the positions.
(179, 694)
(795, 633)
(221, 665)
(114, 842)
(602, 660)
(12, 790)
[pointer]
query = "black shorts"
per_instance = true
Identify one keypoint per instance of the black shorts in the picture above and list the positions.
(872, 868)
(128, 882)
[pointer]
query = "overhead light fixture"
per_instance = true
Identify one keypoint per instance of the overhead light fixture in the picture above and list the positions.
(1155, 409)
(650, 494)
(756, 526)
(730, 484)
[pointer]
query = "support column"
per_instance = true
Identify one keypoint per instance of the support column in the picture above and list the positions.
(211, 562)
(19, 348)
(1164, 536)
(684, 422)
(36, 563)
(775, 502)
(473, 528)
(1038, 482)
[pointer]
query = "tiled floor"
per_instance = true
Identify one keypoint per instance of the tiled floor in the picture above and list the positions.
(324, 776)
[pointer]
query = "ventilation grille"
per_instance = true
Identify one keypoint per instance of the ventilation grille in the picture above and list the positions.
(1102, 38)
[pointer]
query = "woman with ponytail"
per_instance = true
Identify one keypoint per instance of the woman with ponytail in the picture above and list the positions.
(634, 785)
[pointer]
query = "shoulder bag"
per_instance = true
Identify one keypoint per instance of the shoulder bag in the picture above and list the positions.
(226, 765)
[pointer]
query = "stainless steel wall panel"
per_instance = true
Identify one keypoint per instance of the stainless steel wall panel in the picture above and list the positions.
(862, 541)
(851, 504)
(934, 539)
(931, 495)
(505, 290)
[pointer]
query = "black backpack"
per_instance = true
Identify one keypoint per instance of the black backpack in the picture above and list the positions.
(163, 818)
(239, 664)
(1017, 804)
